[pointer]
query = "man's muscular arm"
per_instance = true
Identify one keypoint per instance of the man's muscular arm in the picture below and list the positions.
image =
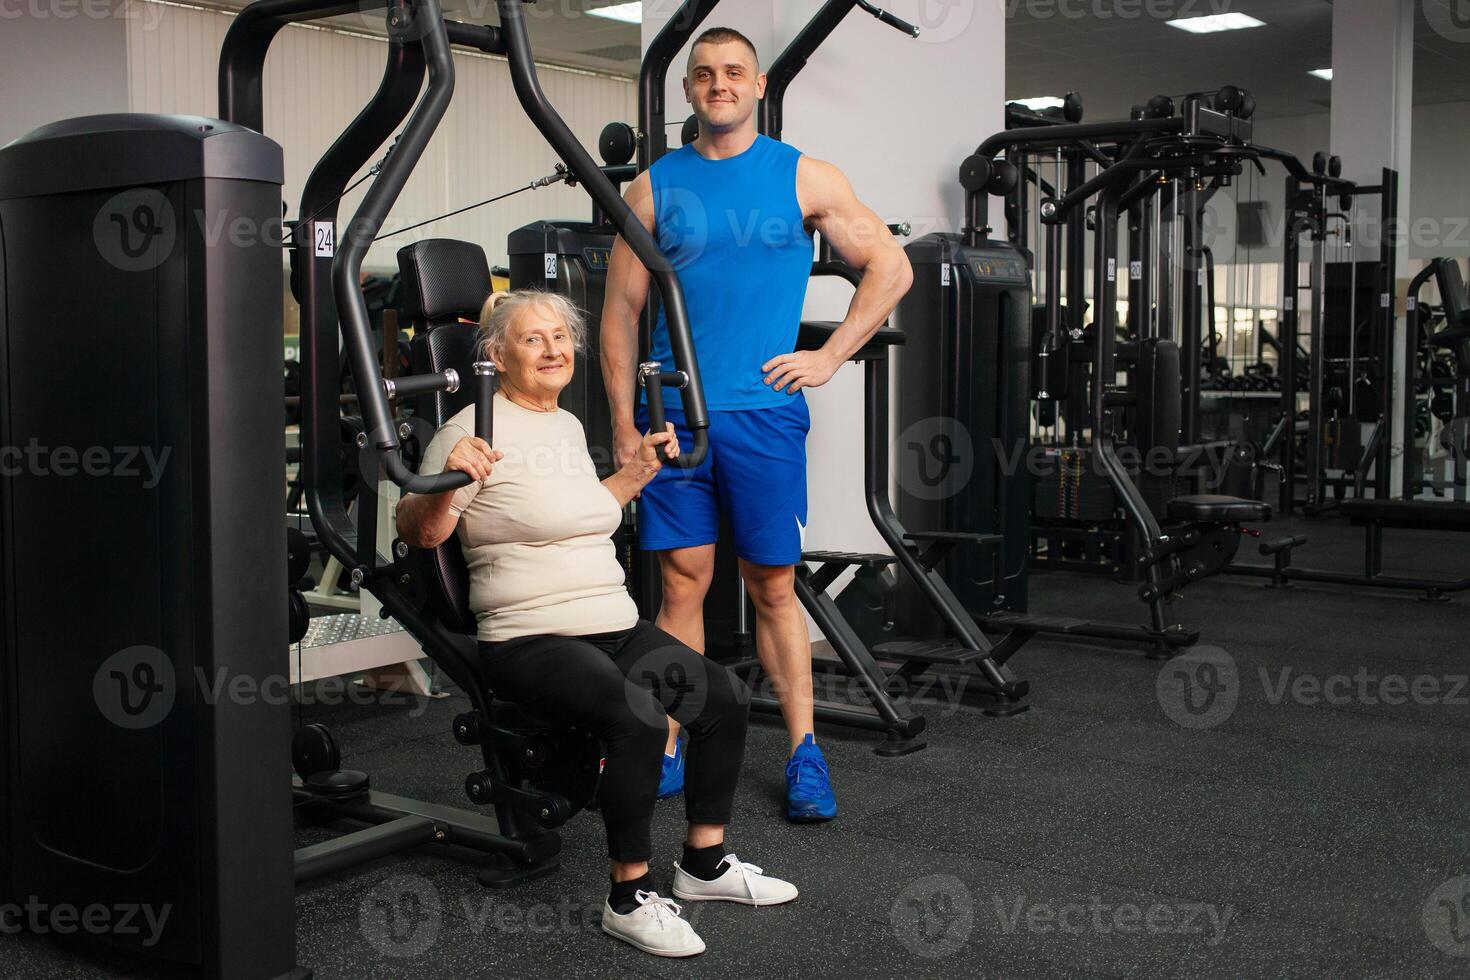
(863, 241)
(626, 295)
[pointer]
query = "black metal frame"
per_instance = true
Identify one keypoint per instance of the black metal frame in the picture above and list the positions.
(652, 114)
(1416, 345)
(1367, 512)
(1134, 155)
(1306, 213)
(326, 285)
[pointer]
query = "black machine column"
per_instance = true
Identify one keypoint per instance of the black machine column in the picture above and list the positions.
(1288, 339)
(137, 341)
(964, 416)
(1385, 319)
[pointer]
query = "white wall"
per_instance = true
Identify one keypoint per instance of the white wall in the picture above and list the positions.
(316, 81)
(58, 61)
(1438, 174)
(881, 106)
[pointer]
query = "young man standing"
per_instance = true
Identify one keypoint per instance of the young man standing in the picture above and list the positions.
(733, 211)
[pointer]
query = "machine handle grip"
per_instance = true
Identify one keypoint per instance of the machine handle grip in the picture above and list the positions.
(889, 19)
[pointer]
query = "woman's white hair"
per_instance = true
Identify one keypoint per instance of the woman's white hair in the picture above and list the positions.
(502, 308)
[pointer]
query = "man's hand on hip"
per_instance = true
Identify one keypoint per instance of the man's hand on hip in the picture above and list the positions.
(800, 369)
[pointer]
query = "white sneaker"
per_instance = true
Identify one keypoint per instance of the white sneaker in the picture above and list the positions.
(654, 927)
(741, 882)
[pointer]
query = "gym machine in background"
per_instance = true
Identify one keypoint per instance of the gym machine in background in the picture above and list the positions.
(1087, 508)
(1362, 375)
(1377, 513)
(1436, 392)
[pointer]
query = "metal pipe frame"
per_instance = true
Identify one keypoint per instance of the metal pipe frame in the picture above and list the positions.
(419, 39)
(1192, 316)
(793, 59)
(1065, 137)
(1413, 476)
(595, 182)
(653, 75)
(1140, 251)
(396, 823)
(1288, 336)
(1387, 320)
(991, 663)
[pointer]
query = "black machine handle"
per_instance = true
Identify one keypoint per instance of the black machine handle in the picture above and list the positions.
(653, 379)
(486, 381)
(418, 384)
(1278, 545)
(889, 19)
(571, 151)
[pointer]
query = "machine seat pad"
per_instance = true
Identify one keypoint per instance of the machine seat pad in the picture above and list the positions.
(814, 333)
(1213, 507)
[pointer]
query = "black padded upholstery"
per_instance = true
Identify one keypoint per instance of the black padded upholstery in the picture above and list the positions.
(518, 717)
(1429, 515)
(449, 345)
(443, 280)
(814, 333)
(1155, 379)
(1213, 507)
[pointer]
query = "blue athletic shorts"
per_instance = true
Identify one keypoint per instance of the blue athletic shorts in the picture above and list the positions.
(754, 474)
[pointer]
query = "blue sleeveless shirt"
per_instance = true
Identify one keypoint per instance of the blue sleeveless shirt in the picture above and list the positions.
(733, 230)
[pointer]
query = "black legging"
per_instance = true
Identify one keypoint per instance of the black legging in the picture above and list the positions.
(624, 686)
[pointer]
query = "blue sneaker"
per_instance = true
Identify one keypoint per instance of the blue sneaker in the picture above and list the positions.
(809, 796)
(672, 782)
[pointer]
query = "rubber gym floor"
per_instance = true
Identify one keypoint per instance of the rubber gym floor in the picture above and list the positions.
(1308, 820)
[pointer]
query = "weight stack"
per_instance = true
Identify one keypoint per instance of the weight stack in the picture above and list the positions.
(144, 560)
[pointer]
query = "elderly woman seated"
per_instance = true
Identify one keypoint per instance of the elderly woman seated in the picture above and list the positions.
(559, 633)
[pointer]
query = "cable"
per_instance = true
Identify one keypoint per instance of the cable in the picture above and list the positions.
(373, 171)
(561, 174)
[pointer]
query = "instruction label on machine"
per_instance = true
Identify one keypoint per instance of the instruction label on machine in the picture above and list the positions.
(1411, 304)
(1289, 303)
(944, 273)
(1384, 299)
(324, 234)
(1112, 269)
(1135, 269)
(550, 265)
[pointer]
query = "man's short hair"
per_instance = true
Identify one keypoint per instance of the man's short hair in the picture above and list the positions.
(724, 35)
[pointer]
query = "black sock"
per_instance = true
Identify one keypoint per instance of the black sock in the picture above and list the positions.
(624, 894)
(702, 862)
